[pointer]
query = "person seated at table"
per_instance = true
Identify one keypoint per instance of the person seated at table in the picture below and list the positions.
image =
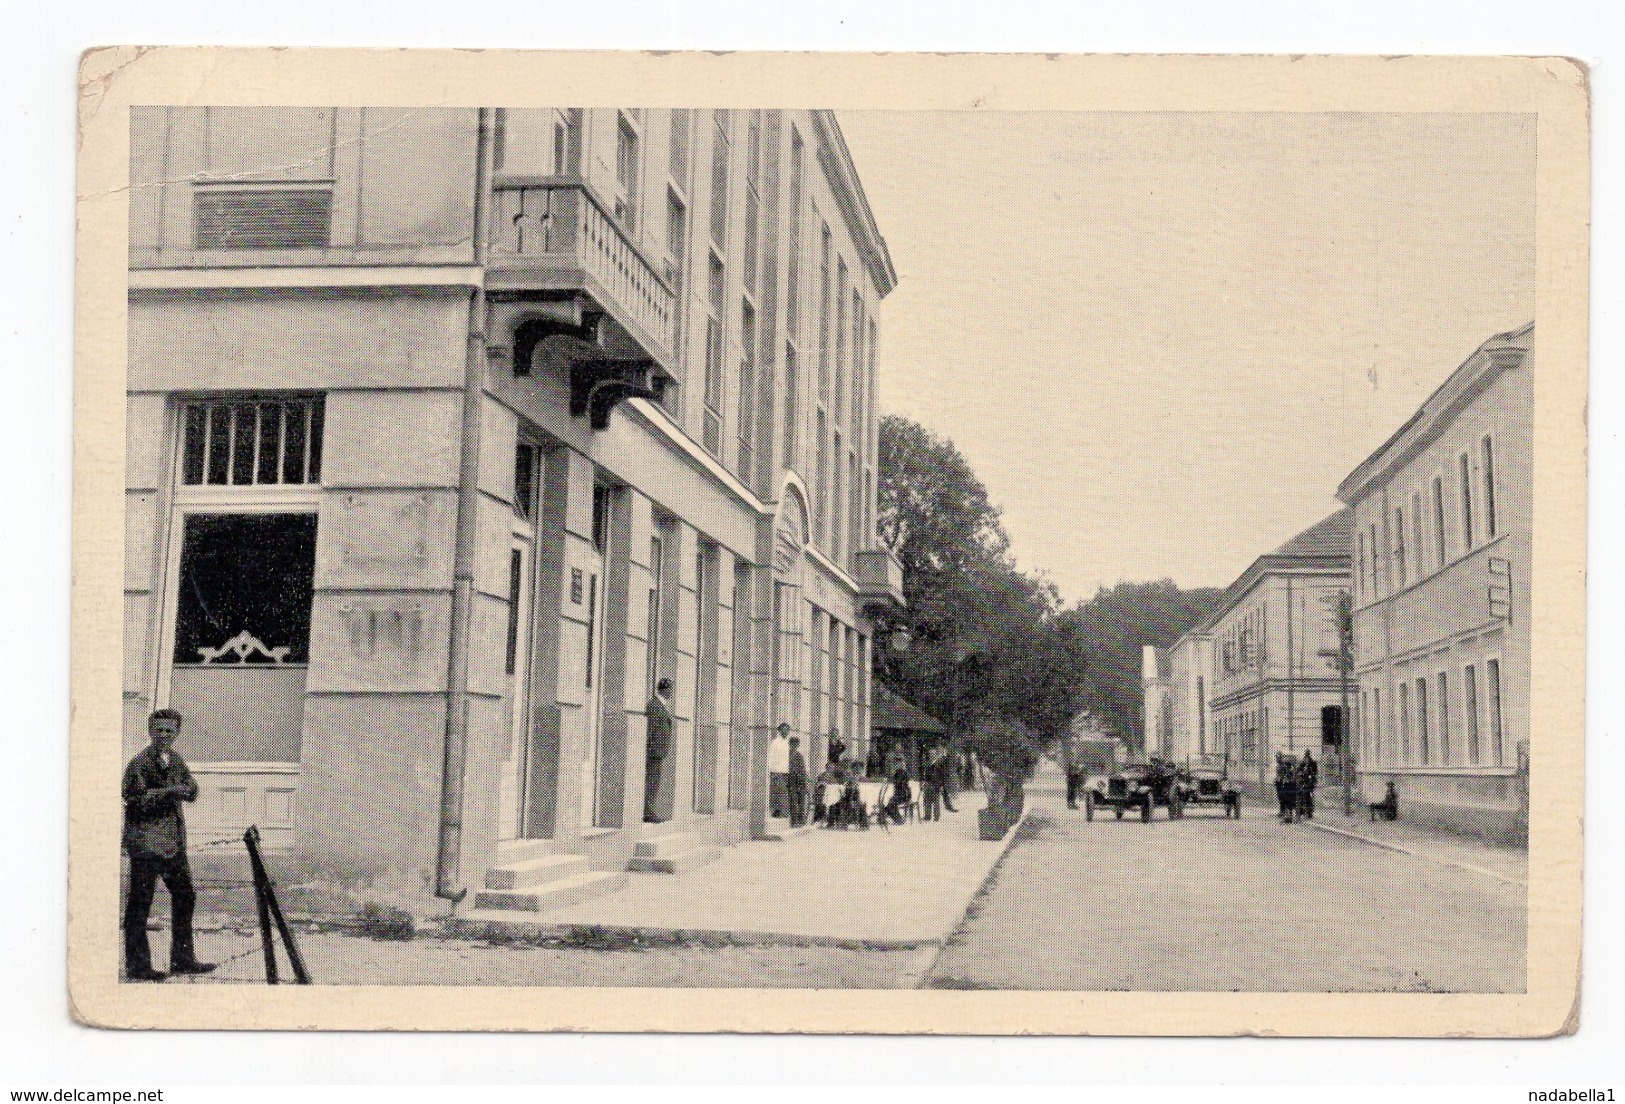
(902, 794)
(854, 814)
(829, 781)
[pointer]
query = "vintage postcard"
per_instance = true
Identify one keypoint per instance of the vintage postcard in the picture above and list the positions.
(820, 543)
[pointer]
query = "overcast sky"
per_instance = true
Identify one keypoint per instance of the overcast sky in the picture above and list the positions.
(1163, 339)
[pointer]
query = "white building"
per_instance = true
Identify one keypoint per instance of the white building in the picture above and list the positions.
(1443, 528)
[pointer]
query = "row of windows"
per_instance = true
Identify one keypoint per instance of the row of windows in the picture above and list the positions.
(1436, 722)
(840, 678)
(1413, 542)
(1242, 646)
(1237, 736)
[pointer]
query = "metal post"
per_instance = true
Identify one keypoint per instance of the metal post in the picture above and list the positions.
(251, 839)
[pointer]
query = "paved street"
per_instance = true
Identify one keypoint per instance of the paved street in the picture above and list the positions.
(1215, 905)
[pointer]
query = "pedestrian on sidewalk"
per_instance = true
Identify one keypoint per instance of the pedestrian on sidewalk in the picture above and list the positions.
(829, 782)
(1308, 779)
(948, 772)
(1286, 786)
(155, 784)
(932, 780)
(797, 784)
(902, 794)
(656, 746)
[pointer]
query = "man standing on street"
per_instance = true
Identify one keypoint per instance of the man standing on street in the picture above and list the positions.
(155, 783)
(657, 745)
(1308, 779)
(796, 784)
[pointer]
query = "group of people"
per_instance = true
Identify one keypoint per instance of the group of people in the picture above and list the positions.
(1295, 782)
(837, 797)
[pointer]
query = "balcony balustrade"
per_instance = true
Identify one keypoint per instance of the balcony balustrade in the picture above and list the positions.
(555, 233)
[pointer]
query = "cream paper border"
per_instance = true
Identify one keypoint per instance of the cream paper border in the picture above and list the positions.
(1556, 89)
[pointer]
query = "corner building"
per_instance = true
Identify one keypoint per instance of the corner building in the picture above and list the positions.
(1443, 523)
(450, 432)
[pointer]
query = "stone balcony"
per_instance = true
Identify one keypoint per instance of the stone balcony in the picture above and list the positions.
(554, 233)
(880, 578)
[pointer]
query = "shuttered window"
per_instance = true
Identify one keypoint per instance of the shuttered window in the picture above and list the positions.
(262, 216)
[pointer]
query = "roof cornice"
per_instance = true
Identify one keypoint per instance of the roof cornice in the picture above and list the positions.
(854, 205)
(1499, 354)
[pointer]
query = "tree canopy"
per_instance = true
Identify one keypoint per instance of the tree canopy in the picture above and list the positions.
(992, 652)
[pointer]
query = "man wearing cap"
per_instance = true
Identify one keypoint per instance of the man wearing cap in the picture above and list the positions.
(657, 745)
(156, 782)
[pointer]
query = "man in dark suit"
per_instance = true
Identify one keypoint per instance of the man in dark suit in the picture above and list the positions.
(796, 784)
(656, 745)
(156, 782)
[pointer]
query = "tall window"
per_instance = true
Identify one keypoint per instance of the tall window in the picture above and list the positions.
(1376, 558)
(855, 511)
(682, 140)
(1404, 722)
(747, 393)
(1489, 488)
(1376, 725)
(824, 249)
(628, 156)
(1497, 750)
(1438, 520)
(1423, 736)
(837, 504)
(858, 420)
(1416, 534)
(792, 382)
(1399, 545)
(567, 141)
(839, 397)
(1470, 693)
(792, 305)
(715, 342)
(1466, 503)
(753, 203)
(1359, 560)
(1443, 709)
(721, 155)
(821, 479)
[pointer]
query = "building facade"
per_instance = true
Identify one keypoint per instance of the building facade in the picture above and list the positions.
(1260, 675)
(451, 432)
(1443, 524)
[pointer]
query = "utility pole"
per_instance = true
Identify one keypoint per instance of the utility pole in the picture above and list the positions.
(1345, 661)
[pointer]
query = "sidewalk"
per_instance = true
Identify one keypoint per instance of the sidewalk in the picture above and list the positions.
(903, 887)
(1502, 862)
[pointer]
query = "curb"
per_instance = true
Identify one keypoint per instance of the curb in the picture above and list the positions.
(585, 934)
(1403, 850)
(980, 892)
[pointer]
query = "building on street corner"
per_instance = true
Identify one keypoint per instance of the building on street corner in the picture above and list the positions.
(1443, 523)
(1259, 676)
(452, 432)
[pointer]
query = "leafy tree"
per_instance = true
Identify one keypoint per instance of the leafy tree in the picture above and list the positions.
(1108, 632)
(987, 653)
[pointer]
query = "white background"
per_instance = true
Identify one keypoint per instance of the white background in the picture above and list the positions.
(39, 1045)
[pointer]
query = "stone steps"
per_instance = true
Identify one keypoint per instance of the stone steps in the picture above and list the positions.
(569, 890)
(534, 872)
(670, 853)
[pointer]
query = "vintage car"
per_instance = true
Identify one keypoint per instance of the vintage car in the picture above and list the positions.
(1203, 785)
(1139, 787)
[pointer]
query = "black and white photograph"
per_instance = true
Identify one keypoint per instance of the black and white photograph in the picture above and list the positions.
(690, 541)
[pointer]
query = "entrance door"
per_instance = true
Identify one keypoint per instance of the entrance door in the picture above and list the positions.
(597, 595)
(239, 646)
(513, 790)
